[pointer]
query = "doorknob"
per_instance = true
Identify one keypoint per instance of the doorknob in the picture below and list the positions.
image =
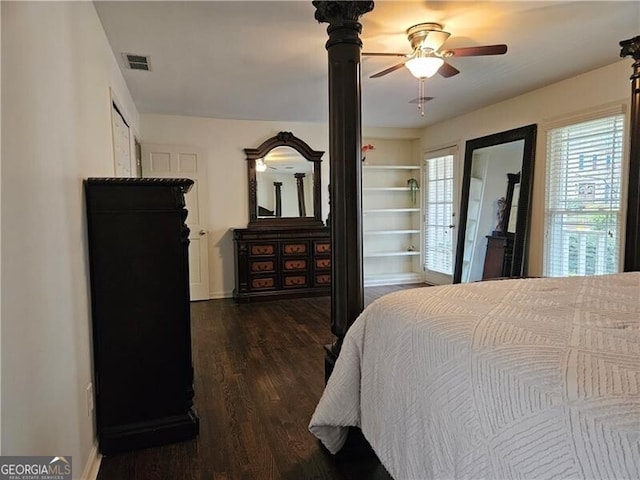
(452, 226)
(202, 232)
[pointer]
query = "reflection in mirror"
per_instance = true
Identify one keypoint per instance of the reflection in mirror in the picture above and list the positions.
(495, 205)
(511, 226)
(487, 202)
(284, 184)
(284, 181)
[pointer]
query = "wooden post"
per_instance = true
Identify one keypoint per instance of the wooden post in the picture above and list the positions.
(631, 48)
(278, 187)
(345, 140)
(302, 210)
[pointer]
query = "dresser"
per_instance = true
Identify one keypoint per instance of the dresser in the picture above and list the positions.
(143, 373)
(277, 263)
(498, 259)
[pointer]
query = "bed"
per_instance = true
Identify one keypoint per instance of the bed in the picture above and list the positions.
(527, 378)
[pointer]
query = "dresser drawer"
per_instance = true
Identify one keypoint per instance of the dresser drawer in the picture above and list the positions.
(323, 279)
(262, 249)
(295, 248)
(263, 283)
(261, 266)
(323, 263)
(279, 263)
(294, 264)
(295, 281)
(320, 246)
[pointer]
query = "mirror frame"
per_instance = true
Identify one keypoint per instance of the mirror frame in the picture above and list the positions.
(284, 139)
(528, 134)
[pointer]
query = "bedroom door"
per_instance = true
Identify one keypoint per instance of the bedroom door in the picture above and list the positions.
(173, 161)
(439, 216)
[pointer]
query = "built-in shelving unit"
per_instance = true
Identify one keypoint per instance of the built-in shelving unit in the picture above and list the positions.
(392, 213)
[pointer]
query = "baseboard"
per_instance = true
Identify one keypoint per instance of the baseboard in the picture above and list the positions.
(92, 467)
(219, 295)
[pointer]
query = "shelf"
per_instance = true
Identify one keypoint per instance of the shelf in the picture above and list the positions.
(389, 232)
(393, 279)
(390, 210)
(387, 189)
(390, 254)
(391, 220)
(391, 167)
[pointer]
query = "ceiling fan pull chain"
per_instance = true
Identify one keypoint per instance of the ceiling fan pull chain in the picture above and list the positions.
(421, 96)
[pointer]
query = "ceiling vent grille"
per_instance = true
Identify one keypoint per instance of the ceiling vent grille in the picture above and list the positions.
(137, 62)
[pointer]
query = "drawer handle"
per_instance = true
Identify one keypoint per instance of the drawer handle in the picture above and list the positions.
(262, 283)
(323, 247)
(262, 250)
(261, 266)
(295, 265)
(295, 249)
(323, 263)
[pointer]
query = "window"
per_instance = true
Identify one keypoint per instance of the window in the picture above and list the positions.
(583, 197)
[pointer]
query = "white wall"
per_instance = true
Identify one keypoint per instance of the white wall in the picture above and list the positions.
(0, 249)
(223, 142)
(604, 86)
(56, 130)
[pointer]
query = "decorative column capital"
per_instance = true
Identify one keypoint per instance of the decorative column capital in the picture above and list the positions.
(630, 48)
(341, 16)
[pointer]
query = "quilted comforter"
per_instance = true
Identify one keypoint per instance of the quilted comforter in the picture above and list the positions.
(530, 379)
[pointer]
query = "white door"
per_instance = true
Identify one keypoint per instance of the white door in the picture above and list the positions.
(439, 217)
(173, 161)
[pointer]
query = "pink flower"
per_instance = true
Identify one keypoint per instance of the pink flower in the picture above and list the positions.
(366, 148)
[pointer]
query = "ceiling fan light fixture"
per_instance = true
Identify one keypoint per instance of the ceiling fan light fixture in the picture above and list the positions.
(424, 66)
(434, 40)
(260, 165)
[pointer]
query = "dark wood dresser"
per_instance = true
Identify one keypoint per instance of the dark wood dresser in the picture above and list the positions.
(498, 259)
(279, 263)
(138, 257)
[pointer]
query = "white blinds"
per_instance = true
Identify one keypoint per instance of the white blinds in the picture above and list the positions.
(583, 197)
(438, 214)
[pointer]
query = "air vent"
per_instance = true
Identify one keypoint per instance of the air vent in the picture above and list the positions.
(136, 62)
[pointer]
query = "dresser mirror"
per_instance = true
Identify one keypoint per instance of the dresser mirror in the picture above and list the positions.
(284, 176)
(495, 205)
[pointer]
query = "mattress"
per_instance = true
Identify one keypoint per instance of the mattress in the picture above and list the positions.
(529, 378)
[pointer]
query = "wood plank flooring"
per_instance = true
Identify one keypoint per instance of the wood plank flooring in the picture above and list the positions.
(258, 377)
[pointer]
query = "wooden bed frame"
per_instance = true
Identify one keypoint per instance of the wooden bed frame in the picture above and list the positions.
(345, 139)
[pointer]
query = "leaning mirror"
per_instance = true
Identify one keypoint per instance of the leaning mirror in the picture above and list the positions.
(494, 209)
(284, 183)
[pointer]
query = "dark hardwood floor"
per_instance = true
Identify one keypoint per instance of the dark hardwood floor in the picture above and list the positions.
(258, 377)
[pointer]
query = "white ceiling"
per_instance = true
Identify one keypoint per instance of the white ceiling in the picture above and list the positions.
(266, 60)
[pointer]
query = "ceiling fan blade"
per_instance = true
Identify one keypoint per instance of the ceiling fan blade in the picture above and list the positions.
(424, 99)
(378, 54)
(477, 51)
(388, 70)
(447, 70)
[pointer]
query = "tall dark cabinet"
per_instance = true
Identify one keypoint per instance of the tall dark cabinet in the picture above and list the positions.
(138, 253)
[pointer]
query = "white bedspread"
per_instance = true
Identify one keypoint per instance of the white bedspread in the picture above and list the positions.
(529, 379)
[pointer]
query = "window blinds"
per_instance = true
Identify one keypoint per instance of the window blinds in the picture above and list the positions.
(583, 197)
(438, 214)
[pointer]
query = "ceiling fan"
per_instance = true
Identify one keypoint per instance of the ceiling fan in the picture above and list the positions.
(428, 57)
